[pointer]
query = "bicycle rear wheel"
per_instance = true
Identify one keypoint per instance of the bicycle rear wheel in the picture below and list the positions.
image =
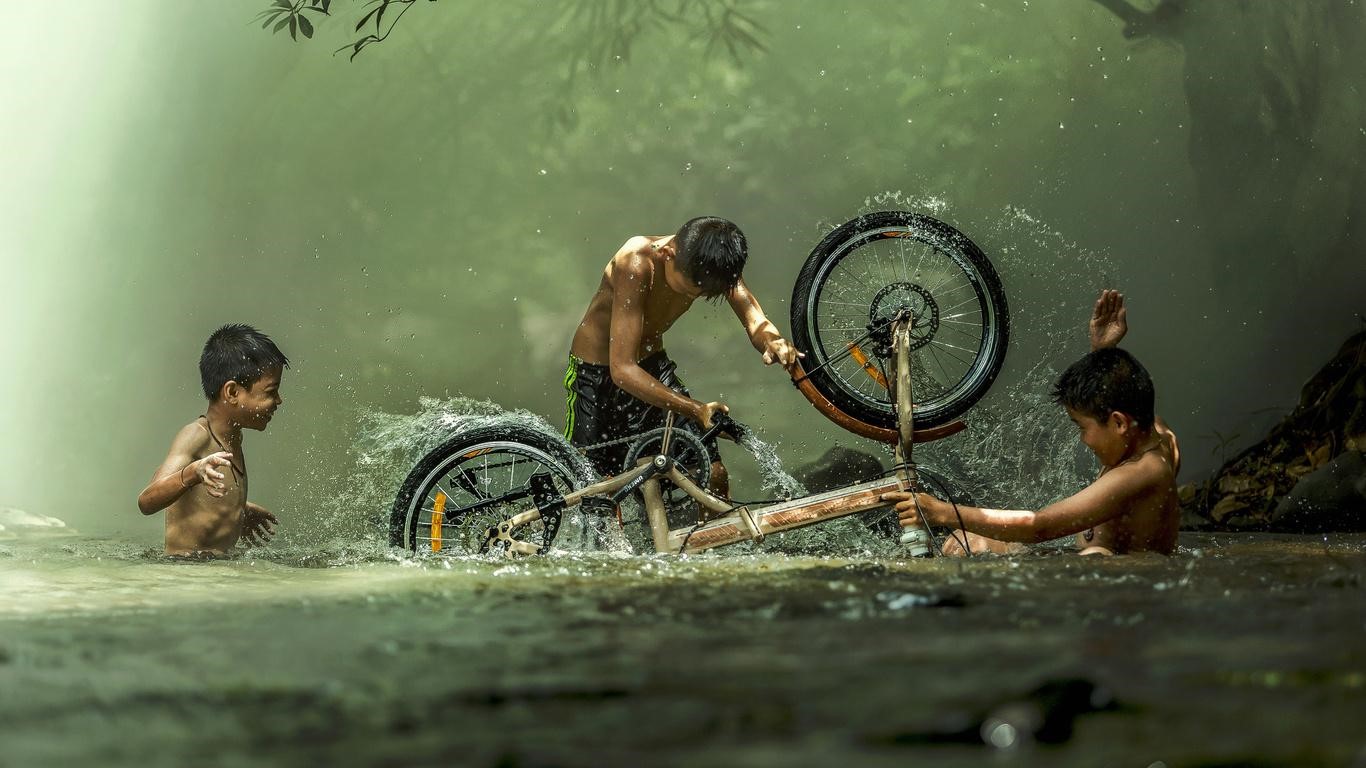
(866, 271)
(478, 479)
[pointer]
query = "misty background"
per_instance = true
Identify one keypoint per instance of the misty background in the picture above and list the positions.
(431, 217)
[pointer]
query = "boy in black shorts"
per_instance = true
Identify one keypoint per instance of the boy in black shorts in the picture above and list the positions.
(620, 381)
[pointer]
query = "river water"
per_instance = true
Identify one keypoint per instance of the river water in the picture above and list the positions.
(1240, 649)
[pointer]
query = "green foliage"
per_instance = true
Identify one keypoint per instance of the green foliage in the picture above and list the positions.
(603, 31)
(283, 13)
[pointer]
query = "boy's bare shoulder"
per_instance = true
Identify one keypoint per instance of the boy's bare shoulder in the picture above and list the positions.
(637, 244)
(192, 436)
(634, 258)
(1152, 470)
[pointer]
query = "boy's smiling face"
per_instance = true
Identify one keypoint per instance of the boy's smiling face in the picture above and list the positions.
(256, 405)
(1108, 439)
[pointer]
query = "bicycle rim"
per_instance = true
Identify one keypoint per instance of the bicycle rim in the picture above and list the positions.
(477, 472)
(869, 273)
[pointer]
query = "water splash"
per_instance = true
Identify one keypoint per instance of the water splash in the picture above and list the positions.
(1020, 450)
(351, 521)
(775, 478)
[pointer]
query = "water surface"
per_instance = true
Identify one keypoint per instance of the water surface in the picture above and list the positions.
(367, 655)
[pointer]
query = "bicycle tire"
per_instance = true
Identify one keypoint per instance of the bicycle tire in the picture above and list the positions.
(953, 257)
(412, 511)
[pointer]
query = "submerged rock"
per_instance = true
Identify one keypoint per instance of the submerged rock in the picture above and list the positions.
(1331, 498)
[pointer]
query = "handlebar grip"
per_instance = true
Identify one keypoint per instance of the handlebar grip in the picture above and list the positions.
(722, 422)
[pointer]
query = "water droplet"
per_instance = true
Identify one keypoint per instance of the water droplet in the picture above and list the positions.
(543, 172)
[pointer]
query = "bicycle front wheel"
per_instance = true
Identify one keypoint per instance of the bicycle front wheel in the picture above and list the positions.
(865, 272)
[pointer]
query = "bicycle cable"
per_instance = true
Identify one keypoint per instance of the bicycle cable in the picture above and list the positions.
(848, 350)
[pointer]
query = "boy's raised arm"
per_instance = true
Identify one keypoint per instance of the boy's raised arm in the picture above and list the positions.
(1109, 320)
(180, 471)
(763, 334)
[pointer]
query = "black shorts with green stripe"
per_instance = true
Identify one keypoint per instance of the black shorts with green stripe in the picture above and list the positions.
(597, 410)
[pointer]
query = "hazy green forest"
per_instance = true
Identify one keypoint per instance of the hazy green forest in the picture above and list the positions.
(430, 216)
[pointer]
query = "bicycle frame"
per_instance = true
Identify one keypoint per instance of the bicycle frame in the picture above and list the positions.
(740, 523)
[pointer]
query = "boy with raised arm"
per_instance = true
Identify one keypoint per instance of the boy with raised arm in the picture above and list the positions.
(202, 483)
(1131, 506)
(620, 381)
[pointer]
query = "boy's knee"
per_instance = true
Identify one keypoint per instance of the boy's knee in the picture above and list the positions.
(720, 477)
(952, 546)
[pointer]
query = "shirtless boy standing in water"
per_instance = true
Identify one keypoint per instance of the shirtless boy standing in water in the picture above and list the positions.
(202, 484)
(620, 382)
(1131, 506)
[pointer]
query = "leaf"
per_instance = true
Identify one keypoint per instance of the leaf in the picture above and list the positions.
(380, 16)
(285, 4)
(367, 16)
(281, 25)
(294, 27)
(305, 26)
(269, 16)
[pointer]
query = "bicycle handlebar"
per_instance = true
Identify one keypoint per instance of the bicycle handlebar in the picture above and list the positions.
(723, 423)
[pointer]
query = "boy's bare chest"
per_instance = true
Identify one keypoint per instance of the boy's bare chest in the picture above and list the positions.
(234, 480)
(663, 307)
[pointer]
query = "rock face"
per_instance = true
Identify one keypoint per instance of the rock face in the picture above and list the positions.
(1308, 474)
(1331, 498)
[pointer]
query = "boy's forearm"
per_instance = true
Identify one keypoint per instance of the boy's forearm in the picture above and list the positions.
(1015, 525)
(635, 381)
(762, 332)
(164, 491)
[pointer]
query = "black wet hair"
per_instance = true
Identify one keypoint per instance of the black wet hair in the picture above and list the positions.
(1105, 381)
(237, 353)
(711, 252)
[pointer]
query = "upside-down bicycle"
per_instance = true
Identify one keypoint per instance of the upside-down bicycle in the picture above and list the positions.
(887, 306)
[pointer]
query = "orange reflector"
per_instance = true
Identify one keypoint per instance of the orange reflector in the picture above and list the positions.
(857, 353)
(438, 511)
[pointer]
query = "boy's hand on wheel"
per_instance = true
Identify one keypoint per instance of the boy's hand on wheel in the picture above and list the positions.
(707, 412)
(780, 350)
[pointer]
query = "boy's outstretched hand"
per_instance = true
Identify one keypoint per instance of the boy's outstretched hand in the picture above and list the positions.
(1109, 320)
(207, 469)
(258, 525)
(780, 350)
